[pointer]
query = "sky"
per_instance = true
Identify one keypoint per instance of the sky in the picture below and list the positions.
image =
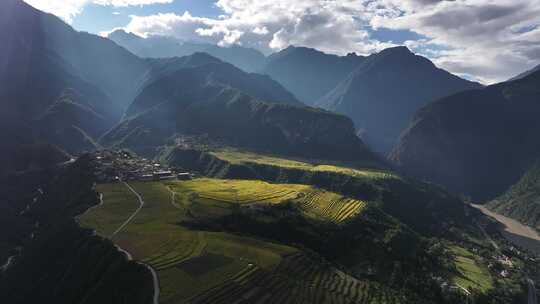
(484, 40)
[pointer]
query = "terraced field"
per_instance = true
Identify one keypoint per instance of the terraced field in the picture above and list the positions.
(297, 279)
(329, 205)
(180, 256)
(239, 191)
(471, 274)
(237, 157)
(313, 202)
(216, 267)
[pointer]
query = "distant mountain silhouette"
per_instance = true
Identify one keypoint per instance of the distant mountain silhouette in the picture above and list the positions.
(308, 73)
(383, 93)
(247, 59)
(477, 142)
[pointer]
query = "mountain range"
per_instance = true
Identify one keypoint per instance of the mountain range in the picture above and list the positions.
(380, 93)
(69, 88)
(217, 99)
(393, 84)
(247, 59)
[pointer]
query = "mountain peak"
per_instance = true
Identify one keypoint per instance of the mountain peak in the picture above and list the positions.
(122, 34)
(398, 50)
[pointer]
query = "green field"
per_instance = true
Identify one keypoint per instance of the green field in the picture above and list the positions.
(237, 157)
(215, 267)
(471, 274)
(220, 194)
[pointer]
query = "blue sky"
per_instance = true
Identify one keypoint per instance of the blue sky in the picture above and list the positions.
(485, 40)
(98, 18)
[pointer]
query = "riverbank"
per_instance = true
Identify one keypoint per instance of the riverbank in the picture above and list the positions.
(519, 234)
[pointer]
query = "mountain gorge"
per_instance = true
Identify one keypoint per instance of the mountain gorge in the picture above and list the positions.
(478, 142)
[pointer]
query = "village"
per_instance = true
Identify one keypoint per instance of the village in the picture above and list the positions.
(121, 165)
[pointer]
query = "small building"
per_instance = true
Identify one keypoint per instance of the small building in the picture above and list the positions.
(184, 176)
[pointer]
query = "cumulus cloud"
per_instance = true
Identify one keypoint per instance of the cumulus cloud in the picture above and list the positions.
(68, 9)
(270, 25)
(489, 40)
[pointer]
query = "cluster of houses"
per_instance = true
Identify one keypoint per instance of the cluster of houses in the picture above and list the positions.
(113, 166)
(505, 263)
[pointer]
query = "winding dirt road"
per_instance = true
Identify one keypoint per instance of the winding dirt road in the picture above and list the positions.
(126, 253)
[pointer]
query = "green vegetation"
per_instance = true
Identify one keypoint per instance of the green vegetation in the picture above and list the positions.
(240, 191)
(220, 194)
(470, 273)
(522, 200)
(202, 266)
(238, 157)
(155, 238)
(330, 205)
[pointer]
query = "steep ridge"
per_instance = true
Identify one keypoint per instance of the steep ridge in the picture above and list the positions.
(522, 200)
(477, 143)
(196, 101)
(383, 93)
(246, 59)
(309, 74)
(99, 61)
(42, 99)
(53, 259)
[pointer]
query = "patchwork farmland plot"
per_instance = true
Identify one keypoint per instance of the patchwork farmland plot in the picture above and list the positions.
(313, 202)
(216, 267)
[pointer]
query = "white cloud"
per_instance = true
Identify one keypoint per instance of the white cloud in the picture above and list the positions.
(68, 9)
(65, 9)
(491, 40)
(269, 25)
